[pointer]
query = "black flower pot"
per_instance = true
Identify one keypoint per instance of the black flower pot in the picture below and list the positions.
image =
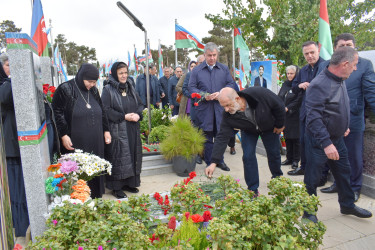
(182, 166)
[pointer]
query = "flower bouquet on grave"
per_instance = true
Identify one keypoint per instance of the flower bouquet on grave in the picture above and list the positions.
(85, 166)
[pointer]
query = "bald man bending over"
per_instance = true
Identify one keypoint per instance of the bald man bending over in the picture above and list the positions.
(256, 111)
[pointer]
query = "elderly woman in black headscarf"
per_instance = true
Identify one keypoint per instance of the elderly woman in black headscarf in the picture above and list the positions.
(292, 105)
(80, 119)
(124, 108)
(14, 167)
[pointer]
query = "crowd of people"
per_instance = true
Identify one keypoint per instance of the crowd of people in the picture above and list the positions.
(320, 109)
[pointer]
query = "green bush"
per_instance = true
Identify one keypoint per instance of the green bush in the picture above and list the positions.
(183, 140)
(158, 117)
(158, 134)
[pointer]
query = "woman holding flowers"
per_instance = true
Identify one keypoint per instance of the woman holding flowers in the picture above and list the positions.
(124, 108)
(80, 119)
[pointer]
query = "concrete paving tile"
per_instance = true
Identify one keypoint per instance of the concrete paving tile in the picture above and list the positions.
(338, 233)
(364, 226)
(330, 209)
(364, 243)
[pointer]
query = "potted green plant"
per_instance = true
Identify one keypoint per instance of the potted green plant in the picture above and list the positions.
(183, 143)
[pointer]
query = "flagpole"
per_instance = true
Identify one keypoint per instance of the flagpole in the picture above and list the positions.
(175, 46)
(50, 32)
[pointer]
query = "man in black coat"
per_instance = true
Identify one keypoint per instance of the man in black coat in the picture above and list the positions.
(256, 112)
(327, 123)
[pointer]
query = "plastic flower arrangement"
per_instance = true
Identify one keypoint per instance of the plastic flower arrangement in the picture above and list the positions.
(49, 91)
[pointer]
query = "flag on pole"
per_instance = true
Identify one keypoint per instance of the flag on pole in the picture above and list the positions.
(135, 62)
(38, 29)
(325, 40)
(161, 66)
(59, 63)
(243, 51)
(56, 59)
(185, 39)
(143, 58)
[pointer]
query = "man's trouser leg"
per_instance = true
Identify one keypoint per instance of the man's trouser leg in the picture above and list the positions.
(250, 163)
(271, 142)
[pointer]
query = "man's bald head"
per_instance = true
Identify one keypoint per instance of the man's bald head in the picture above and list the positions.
(229, 100)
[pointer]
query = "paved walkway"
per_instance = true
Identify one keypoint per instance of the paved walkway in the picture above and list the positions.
(343, 231)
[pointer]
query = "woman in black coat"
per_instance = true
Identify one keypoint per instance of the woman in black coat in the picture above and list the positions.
(124, 108)
(80, 119)
(292, 104)
(16, 184)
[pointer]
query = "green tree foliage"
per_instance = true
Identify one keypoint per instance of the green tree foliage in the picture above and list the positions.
(6, 26)
(74, 55)
(286, 24)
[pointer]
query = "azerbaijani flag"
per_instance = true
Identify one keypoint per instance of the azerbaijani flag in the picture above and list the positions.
(185, 39)
(38, 29)
(325, 40)
(161, 66)
(135, 62)
(243, 51)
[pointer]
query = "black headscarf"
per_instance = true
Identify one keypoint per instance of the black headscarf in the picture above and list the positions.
(3, 76)
(114, 74)
(86, 72)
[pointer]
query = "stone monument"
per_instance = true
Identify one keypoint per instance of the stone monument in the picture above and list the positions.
(31, 126)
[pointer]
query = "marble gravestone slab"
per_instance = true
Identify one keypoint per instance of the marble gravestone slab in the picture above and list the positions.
(31, 126)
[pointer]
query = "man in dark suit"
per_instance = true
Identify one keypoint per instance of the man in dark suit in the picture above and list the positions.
(361, 87)
(260, 80)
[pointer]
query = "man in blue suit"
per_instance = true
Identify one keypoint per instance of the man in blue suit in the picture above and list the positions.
(207, 79)
(361, 87)
(260, 80)
(156, 91)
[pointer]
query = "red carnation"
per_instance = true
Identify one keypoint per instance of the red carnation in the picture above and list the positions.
(193, 95)
(195, 104)
(187, 214)
(198, 96)
(192, 174)
(197, 218)
(172, 223)
(207, 216)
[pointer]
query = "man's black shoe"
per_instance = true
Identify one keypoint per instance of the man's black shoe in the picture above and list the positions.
(287, 162)
(356, 195)
(198, 160)
(356, 211)
(232, 151)
(310, 217)
(297, 171)
(130, 189)
(323, 181)
(295, 165)
(329, 190)
(119, 194)
(223, 166)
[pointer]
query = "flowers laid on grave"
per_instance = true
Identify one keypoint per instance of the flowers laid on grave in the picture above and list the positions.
(49, 91)
(215, 214)
(70, 174)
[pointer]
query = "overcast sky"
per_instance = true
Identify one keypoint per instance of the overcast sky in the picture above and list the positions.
(100, 24)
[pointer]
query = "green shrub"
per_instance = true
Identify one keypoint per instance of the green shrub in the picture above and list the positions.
(183, 140)
(158, 134)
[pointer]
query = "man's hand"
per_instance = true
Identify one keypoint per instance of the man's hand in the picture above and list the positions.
(67, 142)
(331, 152)
(213, 96)
(278, 130)
(107, 137)
(162, 95)
(346, 132)
(286, 109)
(172, 106)
(304, 85)
(210, 170)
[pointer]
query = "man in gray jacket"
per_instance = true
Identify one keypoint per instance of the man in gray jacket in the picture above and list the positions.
(327, 122)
